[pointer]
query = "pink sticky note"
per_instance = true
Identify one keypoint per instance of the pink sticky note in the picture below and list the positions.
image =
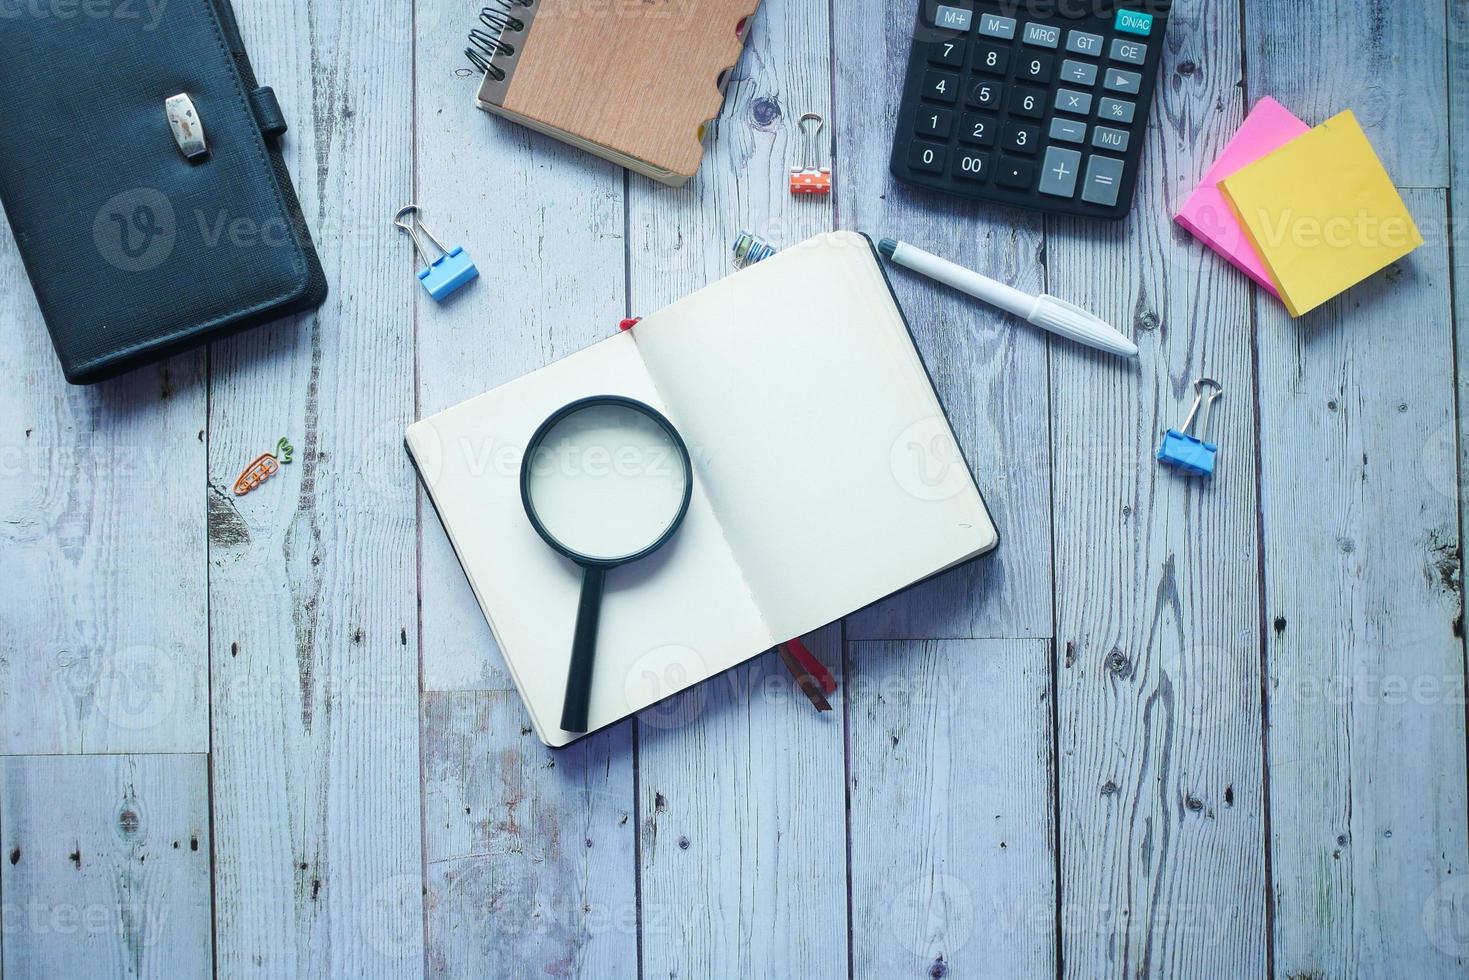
(1206, 214)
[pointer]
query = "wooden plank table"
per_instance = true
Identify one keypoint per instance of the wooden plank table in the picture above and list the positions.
(1170, 729)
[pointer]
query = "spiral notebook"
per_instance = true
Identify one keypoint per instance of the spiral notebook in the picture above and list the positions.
(632, 82)
(826, 476)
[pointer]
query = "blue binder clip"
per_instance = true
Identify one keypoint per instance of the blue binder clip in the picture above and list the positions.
(443, 275)
(1183, 451)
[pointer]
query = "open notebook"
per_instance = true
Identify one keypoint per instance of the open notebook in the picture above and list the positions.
(826, 477)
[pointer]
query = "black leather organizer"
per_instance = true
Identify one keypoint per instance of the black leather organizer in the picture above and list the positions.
(142, 175)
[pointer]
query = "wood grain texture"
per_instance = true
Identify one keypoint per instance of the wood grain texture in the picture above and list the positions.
(313, 576)
(520, 203)
(530, 852)
(1447, 912)
(107, 652)
(106, 869)
(740, 805)
(950, 774)
(741, 827)
(1380, 58)
(989, 370)
(1157, 595)
(1364, 595)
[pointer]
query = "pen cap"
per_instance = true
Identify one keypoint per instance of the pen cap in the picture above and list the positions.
(1069, 320)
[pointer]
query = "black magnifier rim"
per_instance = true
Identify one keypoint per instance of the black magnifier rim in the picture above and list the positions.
(600, 401)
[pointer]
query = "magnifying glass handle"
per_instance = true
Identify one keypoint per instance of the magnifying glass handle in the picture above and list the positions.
(583, 652)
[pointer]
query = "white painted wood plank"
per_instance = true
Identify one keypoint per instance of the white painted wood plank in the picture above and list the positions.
(1364, 597)
(1447, 914)
(544, 223)
(990, 371)
(530, 852)
(742, 828)
(313, 576)
(1157, 593)
(740, 802)
(1383, 59)
(530, 867)
(952, 816)
(106, 866)
(105, 640)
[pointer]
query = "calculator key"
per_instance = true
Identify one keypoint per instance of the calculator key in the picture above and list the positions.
(1035, 68)
(1115, 140)
(935, 122)
(1133, 22)
(986, 94)
(1012, 172)
(1022, 138)
(1116, 110)
(1078, 72)
(991, 59)
(1126, 82)
(953, 18)
(927, 157)
(1074, 102)
(1029, 102)
(1103, 181)
(1042, 36)
(977, 129)
(948, 53)
(1068, 130)
(1080, 42)
(1058, 173)
(940, 86)
(1130, 52)
(993, 25)
(969, 165)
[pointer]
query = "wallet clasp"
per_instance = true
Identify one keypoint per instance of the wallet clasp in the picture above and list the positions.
(188, 130)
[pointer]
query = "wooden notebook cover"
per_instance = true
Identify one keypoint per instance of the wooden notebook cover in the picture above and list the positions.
(638, 77)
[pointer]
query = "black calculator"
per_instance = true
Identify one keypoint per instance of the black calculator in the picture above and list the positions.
(1038, 104)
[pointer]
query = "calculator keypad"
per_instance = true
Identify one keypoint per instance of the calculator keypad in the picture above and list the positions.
(1041, 109)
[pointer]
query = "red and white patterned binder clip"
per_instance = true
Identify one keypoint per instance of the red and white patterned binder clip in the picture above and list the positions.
(811, 177)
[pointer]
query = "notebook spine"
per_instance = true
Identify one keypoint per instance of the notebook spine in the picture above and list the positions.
(494, 46)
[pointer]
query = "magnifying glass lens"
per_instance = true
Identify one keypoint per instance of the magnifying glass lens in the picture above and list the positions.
(607, 482)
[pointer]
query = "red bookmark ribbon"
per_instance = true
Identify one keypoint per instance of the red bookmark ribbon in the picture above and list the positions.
(812, 666)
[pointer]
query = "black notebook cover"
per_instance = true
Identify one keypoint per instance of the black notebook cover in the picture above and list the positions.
(134, 251)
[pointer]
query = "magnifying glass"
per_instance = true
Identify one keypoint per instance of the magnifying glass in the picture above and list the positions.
(606, 481)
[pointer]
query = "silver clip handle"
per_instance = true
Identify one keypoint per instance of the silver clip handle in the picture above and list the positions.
(413, 225)
(813, 140)
(1200, 386)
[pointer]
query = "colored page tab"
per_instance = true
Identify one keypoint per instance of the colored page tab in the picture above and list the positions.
(1323, 213)
(1208, 216)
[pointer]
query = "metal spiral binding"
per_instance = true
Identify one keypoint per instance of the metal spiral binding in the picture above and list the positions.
(485, 43)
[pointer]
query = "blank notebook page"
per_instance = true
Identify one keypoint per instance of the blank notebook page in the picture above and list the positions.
(668, 621)
(816, 432)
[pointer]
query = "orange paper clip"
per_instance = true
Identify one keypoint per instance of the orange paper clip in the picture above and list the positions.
(264, 467)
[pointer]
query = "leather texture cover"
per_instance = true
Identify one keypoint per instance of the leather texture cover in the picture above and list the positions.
(133, 251)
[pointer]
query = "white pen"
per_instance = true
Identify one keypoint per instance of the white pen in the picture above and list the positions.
(1046, 312)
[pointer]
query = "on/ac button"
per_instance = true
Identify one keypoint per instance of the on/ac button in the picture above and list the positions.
(1134, 22)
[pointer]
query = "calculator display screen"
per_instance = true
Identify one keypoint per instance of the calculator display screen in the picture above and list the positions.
(1072, 8)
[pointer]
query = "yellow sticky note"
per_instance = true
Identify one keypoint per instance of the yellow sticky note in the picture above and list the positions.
(1322, 212)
